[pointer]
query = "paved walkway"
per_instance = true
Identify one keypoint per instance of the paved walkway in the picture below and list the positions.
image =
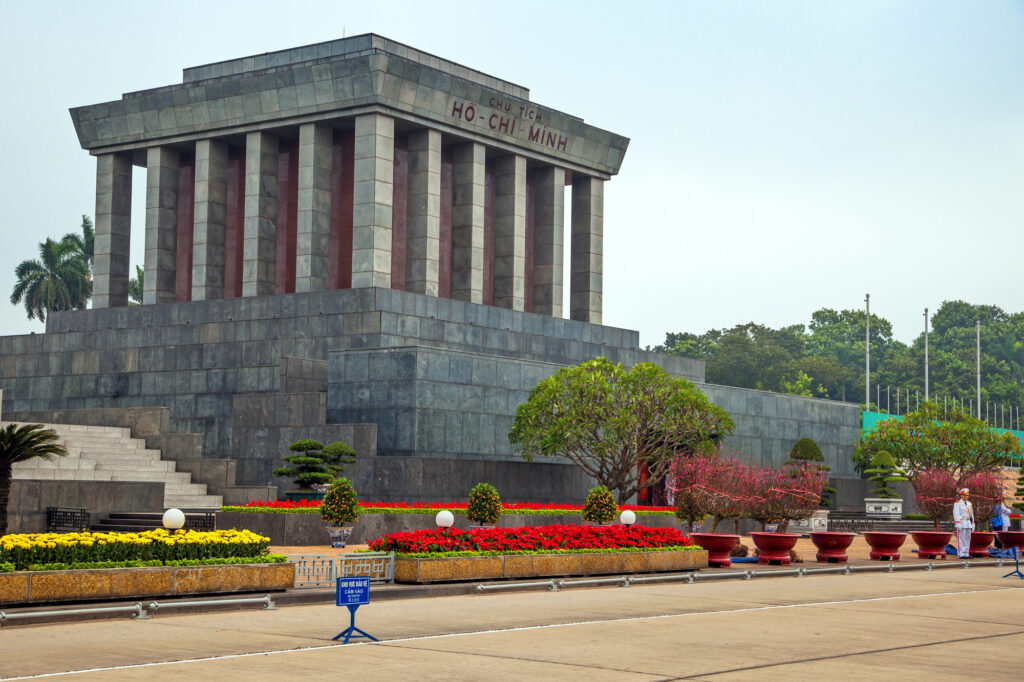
(856, 627)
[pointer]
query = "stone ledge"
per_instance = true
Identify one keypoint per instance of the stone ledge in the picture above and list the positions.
(32, 587)
(453, 569)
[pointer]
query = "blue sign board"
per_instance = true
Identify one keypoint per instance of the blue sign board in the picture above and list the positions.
(353, 591)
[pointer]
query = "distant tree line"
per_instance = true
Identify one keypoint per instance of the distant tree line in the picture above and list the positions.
(825, 359)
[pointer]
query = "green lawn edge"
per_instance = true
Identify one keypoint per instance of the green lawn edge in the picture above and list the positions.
(8, 567)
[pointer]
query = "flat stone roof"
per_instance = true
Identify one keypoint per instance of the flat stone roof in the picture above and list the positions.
(338, 80)
(346, 47)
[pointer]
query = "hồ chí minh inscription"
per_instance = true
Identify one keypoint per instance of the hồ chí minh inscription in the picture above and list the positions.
(508, 117)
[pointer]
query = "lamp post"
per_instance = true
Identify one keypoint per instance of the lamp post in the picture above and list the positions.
(978, 332)
(444, 519)
(627, 518)
(926, 355)
(867, 350)
(173, 519)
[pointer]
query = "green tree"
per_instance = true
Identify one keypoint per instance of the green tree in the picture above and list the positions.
(925, 439)
(136, 285)
(57, 281)
(883, 471)
(610, 421)
(84, 243)
(315, 464)
(20, 442)
(484, 505)
(341, 504)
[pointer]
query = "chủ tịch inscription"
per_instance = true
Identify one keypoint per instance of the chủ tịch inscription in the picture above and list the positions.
(509, 117)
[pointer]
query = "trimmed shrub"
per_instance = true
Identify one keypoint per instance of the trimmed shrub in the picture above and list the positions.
(341, 504)
(883, 472)
(484, 505)
(806, 450)
(599, 506)
(336, 455)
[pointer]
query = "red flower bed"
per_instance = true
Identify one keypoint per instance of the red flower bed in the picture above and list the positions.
(507, 506)
(528, 539)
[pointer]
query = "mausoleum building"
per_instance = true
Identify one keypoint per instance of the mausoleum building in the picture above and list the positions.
(355, 241)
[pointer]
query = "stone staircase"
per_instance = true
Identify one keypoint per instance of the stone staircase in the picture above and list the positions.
(105, 453)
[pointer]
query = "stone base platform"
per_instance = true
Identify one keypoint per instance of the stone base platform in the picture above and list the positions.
(35, 587)
(444, 569)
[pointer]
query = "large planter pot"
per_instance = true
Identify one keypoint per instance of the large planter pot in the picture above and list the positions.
(28, 587)
(883, 508)
(1011, 538)
(885, 546)
(718, 545)
(816, 523)
(774, 547)
(338, 535)
(832, 546)
(980, 542)
(931, 544)
(453, 569)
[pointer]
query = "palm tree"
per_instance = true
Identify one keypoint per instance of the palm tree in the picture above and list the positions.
(19, 442)
(84, 243)
(135, 285)
(59, 280)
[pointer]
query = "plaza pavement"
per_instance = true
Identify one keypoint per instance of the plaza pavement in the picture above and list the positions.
(950, 622)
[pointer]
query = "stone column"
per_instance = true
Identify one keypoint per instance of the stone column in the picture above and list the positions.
(548, 240)
(161, 225)
(587, 249)
(468, 192)
(259, 250)
(372, 197)
(510, 232)
(313, 219)
(210, 220)
(423, 225)
(113, 231)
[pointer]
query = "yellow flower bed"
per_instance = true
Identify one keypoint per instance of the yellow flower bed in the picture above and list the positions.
(52, 548)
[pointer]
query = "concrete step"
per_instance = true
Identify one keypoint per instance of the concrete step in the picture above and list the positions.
(212, 502)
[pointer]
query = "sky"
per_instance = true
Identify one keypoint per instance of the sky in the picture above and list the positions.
(784, 156)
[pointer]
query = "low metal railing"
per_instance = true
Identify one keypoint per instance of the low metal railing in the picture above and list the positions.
(137, 610)
(315, 570)
(66, 518)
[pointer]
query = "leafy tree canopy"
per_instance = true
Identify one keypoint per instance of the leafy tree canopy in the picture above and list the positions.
(609, 421)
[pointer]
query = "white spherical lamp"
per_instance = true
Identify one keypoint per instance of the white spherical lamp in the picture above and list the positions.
(173, 519)
(444, 519)
(627, 517)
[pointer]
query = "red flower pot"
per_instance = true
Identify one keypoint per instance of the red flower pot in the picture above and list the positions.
(718, 545)
(931, 544)
(980, 541)
(885, 546)
(832, 546)
(1012, 538)
(774, 547)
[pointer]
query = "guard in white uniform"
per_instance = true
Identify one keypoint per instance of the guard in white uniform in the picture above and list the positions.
(963, 519)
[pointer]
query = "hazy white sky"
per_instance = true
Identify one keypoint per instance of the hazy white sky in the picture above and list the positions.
(784, 156)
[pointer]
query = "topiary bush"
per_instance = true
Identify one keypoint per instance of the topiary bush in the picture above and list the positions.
(806, 450)
(341, 504)
(599, 506)
(1019, 493)
(336, 455)
(883, 472)
(484, 505)
(308, 467)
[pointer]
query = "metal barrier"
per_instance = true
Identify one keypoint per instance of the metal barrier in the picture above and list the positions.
(316, 570)
(626, 580)
(137, 610)
(66, 518)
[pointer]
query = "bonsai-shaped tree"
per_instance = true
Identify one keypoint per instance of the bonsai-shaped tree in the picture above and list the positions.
(1020, 491)
(806, 450)
(336, 455)
(19, 442)
(308, 467)
(883, 471)
(340, 505)
(600, 505)
(484, 505)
